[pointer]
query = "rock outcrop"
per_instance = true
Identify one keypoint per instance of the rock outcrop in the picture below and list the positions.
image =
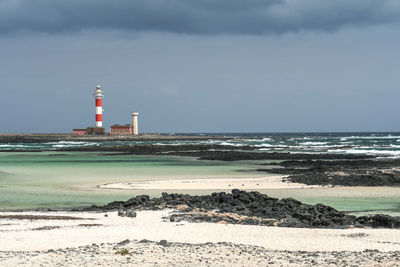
(241, 207)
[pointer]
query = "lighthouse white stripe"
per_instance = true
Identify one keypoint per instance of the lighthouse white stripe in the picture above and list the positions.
(99, 124)
(99, 110)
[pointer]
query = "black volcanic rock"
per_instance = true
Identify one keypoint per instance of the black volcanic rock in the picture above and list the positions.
(352, 179)
(340, 172)
(243, 207)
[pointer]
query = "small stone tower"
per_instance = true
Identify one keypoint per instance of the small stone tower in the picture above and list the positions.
(135, 127)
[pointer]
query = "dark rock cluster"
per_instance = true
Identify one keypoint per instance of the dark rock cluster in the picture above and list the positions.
(127, 213)
(372, 178)
(251, 208)
(246, 155)
(341, 172)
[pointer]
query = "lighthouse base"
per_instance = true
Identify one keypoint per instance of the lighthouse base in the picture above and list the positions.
(95, 131)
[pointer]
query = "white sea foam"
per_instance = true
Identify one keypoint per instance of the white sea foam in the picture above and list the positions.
(307, 152)
(210, 142)
(165, 144)
(264, 145)
(393, 153)
(375, 152)
(68, 143)
(247, 140)
(370, 137)
(231, 144)
(254, 139)
(14, 146)
(62, 144)
(321, 147)
(314, 143)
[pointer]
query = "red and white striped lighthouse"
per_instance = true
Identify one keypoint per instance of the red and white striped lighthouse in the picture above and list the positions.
(98, 96)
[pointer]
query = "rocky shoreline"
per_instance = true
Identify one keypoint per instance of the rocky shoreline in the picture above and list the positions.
(251, 208)
(309, 169)
(384, 172)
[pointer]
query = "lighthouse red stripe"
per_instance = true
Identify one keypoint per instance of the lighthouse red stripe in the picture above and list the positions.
(99, 117)
(98, 102)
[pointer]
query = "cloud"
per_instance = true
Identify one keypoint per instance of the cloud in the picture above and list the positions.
(251, 17)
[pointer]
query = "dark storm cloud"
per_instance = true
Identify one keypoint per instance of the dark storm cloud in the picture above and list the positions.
(193, 16)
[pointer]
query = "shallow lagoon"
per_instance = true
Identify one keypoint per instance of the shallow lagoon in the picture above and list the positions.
(59, 179)
(55, 179)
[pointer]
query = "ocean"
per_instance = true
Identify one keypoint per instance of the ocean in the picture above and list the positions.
(66, 179)
(380, 144)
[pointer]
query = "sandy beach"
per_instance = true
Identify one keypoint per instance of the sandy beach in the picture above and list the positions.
(71, 237)
(269, 182)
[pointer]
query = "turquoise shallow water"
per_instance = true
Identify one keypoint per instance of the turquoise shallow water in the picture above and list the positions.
(55, 179)
(59, 179)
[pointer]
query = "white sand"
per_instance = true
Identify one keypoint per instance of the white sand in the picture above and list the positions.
(19, 235)
(270, 182)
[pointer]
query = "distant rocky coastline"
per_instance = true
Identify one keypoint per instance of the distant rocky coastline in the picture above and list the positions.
(384, 172)
(43, 138)
(252, 208)
(212, 152)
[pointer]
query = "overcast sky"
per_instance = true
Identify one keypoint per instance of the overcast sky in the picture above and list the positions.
(201, 66)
